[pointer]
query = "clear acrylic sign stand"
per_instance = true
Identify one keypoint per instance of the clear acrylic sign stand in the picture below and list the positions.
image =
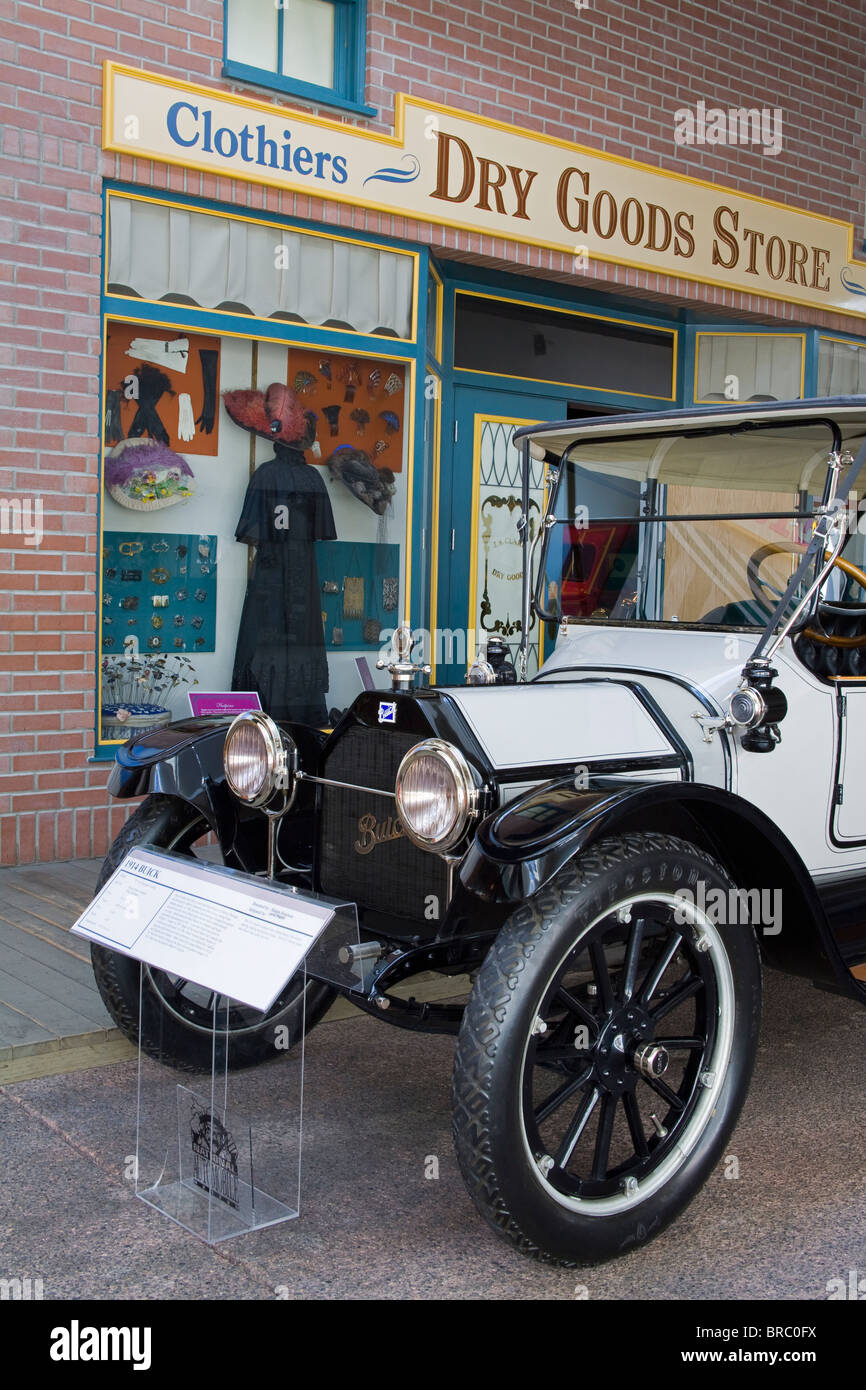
(220, 1151)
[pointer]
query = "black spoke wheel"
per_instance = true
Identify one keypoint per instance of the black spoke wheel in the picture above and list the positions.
(605, 1051)
(177, 1015)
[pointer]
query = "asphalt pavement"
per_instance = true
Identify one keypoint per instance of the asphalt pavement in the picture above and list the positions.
(384, 1214)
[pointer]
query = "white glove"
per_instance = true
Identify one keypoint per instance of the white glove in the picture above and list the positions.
(172, 355)
(185, 418)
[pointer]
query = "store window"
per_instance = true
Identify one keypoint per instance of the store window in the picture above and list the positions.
(841, 367)
(255, 521)
(749, 367)
(312, 48)
(509, 338)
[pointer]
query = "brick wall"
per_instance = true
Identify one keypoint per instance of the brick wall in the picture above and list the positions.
(610, 76)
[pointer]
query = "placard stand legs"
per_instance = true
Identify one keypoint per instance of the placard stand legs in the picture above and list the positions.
(200, 1158)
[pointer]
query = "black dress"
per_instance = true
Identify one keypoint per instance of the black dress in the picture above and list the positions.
(281, 643)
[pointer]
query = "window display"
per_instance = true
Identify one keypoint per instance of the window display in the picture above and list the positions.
(280, 470)
(281, 646)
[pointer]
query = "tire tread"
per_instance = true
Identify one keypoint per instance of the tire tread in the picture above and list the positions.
(496, 985)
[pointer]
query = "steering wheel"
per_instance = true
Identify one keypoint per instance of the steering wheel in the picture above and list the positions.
(761, 588)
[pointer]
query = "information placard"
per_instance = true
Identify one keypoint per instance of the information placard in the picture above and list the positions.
(211, 703)
(243, 938)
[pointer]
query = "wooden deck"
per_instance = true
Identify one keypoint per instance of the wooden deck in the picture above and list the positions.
(52, 1018)
(48, 998)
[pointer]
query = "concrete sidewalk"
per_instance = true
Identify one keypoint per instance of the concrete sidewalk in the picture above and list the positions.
(373, 1226)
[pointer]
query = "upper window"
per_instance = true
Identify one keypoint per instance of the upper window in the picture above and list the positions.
(314, 49)
(749, 367)
(509, 338)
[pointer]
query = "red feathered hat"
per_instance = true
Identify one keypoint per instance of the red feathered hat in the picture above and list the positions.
(274, 414)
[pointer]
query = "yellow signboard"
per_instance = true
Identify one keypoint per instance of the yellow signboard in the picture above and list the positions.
(453, 169)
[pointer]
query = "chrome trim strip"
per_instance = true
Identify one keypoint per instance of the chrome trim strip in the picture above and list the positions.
(349, 786)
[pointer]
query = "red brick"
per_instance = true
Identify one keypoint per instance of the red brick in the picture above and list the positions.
(610, 76)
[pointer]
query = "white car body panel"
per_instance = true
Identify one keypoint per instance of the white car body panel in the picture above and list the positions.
(521, 725)
(794, 785)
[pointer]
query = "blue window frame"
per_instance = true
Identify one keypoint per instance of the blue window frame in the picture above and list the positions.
(327, 65)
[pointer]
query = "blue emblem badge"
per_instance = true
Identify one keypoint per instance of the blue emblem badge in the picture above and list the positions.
(387, 711)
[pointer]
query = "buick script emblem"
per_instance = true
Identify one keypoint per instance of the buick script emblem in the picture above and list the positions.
(372, 832)
(387, 711)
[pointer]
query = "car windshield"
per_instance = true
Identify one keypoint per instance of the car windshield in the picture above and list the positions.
(704, 529)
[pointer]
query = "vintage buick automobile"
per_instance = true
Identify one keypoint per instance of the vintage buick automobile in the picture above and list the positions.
(609, 850)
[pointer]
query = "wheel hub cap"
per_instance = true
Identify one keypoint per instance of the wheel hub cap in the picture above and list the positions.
(651, 1061)
(627, 1031)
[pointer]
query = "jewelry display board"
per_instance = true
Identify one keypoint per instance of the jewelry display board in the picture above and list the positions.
(360, 589)
(160, 589)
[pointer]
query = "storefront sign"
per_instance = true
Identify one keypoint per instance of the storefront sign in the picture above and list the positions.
(444, 166)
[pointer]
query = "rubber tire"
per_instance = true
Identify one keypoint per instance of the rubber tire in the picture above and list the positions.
(157, 822)
(501, 1008)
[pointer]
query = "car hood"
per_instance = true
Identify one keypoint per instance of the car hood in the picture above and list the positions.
(546, 724)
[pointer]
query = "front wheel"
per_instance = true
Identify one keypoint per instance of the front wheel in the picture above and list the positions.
(606, 1051)
(177, 1015)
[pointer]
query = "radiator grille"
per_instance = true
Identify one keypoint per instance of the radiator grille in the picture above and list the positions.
(394, 876)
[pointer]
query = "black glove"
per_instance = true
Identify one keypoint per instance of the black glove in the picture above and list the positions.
(152, 385)
(209, 359)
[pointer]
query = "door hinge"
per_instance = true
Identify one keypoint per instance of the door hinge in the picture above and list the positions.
(840, 794)
(455, 431)
(842, 705)
(452, 540)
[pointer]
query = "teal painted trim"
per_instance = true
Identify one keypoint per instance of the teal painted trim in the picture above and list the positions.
(357, 56)
(688, 350)
(446, 568)
(100, 753)
(471, 279)
(681, 378)
(304, 91)
(276, 330)
(419, 598)
(103, 754)
(465, 277)
(810, 376)
(624, 400)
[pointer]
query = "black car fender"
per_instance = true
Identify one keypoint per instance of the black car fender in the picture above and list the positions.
(185, 760)
(519, 848)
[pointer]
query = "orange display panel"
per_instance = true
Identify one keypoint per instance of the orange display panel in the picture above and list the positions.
(119, 365)
(360, 403)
